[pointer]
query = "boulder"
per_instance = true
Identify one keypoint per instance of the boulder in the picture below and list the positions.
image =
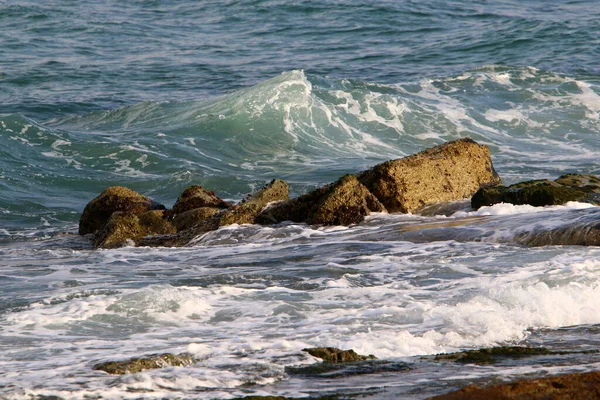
(136, 365)
(344, 202)
(125, 228)
(196, 197)
(451, 171)
(560, 387)
(243, 213)
(582, 188)
(115, 198)
(331, 354)
(190, 218)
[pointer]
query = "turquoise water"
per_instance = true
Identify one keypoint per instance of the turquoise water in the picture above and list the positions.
(159, 95)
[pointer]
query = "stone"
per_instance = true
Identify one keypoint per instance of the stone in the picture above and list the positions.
(332, 354)
(344, 202)
(115, 198)
(449, 172)
(136, 365)
(561, 387)
(196, 197)
(542, 192)
(491, 355)
(125, 228)
(191, 218)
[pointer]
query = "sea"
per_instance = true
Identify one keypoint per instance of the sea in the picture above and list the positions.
(159, 95)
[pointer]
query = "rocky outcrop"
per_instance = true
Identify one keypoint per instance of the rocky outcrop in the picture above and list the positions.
(125, 228)
(197, 197)
(344, 202)
(583, 231)
(561, 387)
(491, 355)
(191, 218)
(136, 365)
(572, 187)
(334, 355)
(115, 198)
(448, 172)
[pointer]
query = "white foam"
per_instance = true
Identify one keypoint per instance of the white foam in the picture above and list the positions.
(512, 209)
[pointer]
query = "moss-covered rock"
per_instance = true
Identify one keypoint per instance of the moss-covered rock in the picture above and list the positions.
(191, 218)
(125, 228)
(491, 355)
(196, 197)
(560, 387)
(334, 355)
(572, 187)
(343, 202)
(452, 171)
(136, 365)
(115, 198)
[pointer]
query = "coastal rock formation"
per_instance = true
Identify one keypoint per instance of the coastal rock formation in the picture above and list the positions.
(334, 355)
(114, 198)
(343, 202)
(136, 365)
(196, 197)
(123, 228)
(572, 187)
(191, 218)
(451, 171)
(491, 355)
(582, 231)
(561, 387)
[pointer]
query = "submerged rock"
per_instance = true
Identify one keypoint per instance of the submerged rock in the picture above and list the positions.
(125, 228)
(572, 187)
(561, 387)
(344, 202)
(451, 171)
(115, 198)
(491, 355)
(334, 355)
(196, 197)
(136, 365)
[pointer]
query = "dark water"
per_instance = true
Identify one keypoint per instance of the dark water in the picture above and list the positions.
(159, 95)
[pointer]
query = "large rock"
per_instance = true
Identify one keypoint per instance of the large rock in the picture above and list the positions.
(125, 228)
(115, 198)
(136, 365)
(573, 187)
(191, 218)
(195, 197)
(332, 354)
(243, 213)
(561, 387)
(452, 171)
(344, 202)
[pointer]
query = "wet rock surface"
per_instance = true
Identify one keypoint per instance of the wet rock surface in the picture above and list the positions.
(572, 187)
(196, 197)
(448, 172)
(334, 355)
(189, 219)
(125, 228)
(343, 202)
(491, 355)
(136, 365)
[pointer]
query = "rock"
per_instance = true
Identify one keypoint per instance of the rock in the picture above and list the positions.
(491, 355)
(196, 197)
(115, 198)
(125, 227)
(451, 171)
(331, 354)
(572, 187)
(243, 213)
(136, 365)
(190, 218)
(561, 387)
(344, 202)
(573, 234)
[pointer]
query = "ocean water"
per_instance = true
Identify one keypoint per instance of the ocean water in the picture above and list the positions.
(160, 95)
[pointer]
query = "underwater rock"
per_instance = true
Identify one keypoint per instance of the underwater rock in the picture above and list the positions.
(244, 212)
(334, 355)
(560, 387)
(343, 202)
(136, 365)
(451, 171)
(573, 234)
(491, 355)
(572, 187)
(190, 218)
(115, 198)
(196, 197)
(124, 228)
